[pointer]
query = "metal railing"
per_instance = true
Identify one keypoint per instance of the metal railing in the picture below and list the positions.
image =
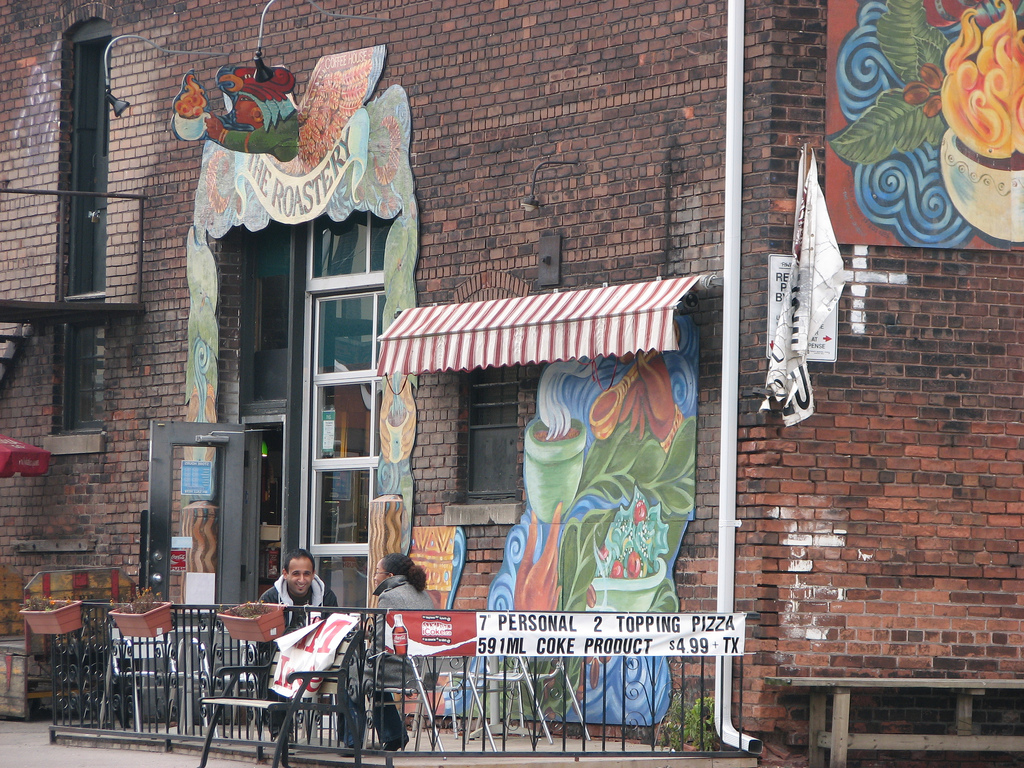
(59, 257)
(107, 684)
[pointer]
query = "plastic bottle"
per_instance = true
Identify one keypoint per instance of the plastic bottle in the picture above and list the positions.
(400, 636)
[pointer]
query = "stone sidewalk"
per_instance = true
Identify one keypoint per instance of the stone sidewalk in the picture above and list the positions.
(27, 745)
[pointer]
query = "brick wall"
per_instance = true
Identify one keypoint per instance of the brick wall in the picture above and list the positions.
(880, 535)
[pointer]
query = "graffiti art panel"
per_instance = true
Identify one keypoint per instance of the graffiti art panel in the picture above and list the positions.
(924, 124)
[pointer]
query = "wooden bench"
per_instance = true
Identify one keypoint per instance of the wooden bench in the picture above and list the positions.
(332, 683)
(839, 740)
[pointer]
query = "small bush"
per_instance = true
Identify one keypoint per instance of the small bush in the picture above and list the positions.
(143, 603)
(37, 603)
(693, 726)
(251, 610)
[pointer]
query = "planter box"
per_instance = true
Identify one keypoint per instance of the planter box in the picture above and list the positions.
(149, 624)
(269, 626)
(56, 622)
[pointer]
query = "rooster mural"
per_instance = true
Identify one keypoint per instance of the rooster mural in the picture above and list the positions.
(266, 158)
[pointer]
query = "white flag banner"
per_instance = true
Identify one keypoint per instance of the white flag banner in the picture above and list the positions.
(815, 284)
(311, 648)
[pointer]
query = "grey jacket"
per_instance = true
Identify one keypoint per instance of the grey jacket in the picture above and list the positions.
(394, 593)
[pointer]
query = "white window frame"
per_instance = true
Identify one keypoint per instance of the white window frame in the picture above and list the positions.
(319, 290)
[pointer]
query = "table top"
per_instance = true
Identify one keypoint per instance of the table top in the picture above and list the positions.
(896, 682)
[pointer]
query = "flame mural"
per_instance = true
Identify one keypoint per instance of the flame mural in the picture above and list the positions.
(609, 468)
(984, 86)
(925, 121)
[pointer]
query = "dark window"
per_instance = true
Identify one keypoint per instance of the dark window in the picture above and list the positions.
(493, 433)
(85, 346)
(83, 376)
(272, 250)
(351, 247)
(88, 221)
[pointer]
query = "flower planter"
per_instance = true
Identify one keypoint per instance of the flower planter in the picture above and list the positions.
(149, 624)
(269, 626)
(624, 594)
(56, 622)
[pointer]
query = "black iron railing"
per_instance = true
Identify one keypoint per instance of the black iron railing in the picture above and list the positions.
(106, 683)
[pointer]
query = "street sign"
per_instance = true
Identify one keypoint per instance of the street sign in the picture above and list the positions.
(822, 347)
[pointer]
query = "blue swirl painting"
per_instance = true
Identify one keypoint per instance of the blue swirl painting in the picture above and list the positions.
(908, 154)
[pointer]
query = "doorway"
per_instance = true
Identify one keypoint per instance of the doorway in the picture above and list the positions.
(193, 551)
(264, 498)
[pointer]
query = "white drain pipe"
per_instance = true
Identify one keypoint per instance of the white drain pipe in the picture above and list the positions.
(731, 248)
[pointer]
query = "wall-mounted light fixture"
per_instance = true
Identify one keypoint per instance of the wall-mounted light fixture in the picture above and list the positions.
(265, 73)
(530, 201)
(120, 106)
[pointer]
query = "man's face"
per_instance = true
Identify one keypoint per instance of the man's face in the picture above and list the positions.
(299, 576)
(247, 112)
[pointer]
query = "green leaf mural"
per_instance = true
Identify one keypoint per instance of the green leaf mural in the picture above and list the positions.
(908, 40)
(891, 124)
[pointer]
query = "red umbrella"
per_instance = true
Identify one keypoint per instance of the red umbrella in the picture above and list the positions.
(16, 456)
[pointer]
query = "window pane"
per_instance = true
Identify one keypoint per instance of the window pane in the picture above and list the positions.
(340, 247)
(379, 229)
(346, 575)
(495, 396)
(346, 335)
(493, 433)
(344, 506)
(345, 421)
(85, 377)
(273, 262)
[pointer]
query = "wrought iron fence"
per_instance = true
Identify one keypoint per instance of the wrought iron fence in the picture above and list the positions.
(104, 682)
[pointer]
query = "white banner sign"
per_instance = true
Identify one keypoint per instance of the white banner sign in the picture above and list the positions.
(610, 634)
(311, 648)
(822, 347)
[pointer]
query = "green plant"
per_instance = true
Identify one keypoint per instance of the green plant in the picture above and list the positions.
(38, 603)
(692, 725)
(143, 602)
(251, 610)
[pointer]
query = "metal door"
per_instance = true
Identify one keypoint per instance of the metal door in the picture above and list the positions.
(199, 547)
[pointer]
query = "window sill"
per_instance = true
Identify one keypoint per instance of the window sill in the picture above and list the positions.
(483, 513)
(71, 444)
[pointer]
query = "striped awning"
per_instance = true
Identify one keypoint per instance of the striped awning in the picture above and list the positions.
(542, 328)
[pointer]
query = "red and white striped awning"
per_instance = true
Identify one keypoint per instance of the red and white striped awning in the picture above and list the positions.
(542, 328)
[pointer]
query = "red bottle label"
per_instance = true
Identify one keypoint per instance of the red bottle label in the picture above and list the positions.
(401, 640)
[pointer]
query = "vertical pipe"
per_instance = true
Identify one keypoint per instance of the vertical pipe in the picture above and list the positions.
(731, 264)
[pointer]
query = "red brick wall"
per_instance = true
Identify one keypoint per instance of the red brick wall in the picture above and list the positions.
(882, 535)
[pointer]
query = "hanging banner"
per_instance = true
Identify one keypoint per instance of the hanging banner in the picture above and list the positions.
(435, 633)
(312, 647)
(521, 633)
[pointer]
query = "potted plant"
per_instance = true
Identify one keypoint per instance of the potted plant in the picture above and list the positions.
(254, 621)
(48, 616)
(143, 616)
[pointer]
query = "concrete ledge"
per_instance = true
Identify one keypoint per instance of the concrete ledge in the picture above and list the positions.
(67, 445)
(482, 514)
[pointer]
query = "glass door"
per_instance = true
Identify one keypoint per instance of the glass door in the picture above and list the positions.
(200, 545)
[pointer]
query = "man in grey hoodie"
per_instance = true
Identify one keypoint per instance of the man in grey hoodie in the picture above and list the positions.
(299, 585)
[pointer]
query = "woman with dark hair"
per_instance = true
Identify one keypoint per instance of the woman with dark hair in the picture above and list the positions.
(400, 585)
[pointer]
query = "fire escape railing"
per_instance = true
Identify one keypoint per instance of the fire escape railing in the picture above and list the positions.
(60, 258)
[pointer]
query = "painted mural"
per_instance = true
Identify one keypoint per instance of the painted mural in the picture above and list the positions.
(441, 551)
(926, 131)
(267, 158)
(609, 468)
